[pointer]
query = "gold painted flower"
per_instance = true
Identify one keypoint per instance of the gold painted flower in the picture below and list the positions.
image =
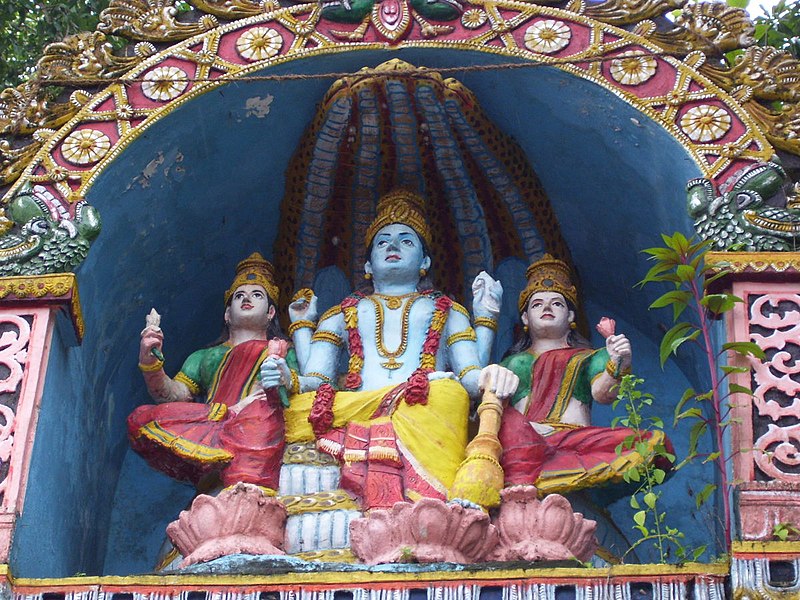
(705, 123)
(85, 146)
(547, 36)
(165, 83)
(474, 18)
(259, 43)
(632, 68)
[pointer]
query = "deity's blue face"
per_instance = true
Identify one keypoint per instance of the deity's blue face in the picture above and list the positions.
(397, 253)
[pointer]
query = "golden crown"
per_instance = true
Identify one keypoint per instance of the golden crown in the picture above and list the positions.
(254, 270)
(548, 274)
(400, 206)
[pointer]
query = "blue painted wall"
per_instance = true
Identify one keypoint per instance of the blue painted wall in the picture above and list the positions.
(201, 189)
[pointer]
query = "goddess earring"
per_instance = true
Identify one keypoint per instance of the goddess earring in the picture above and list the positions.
(572, 325)
(525, 328)
(367, 276)
(423, 272)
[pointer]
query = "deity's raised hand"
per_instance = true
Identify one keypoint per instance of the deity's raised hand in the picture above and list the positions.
(152, 339)
(487, 295)
(303, 306)
(618, 346)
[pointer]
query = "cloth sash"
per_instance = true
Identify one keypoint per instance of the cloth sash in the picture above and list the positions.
(553, 377)
(376, 433)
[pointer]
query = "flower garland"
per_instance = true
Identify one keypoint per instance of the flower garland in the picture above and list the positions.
(418, 385)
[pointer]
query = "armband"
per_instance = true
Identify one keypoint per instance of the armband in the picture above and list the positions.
(194, 387)
(613, 369)
(156, 366)
(467, 335)
(332, 311)
(217, 411)
(458, 308)
(325, 378)
(326, 336)
(487, 322)
(466, 370)
(294, 385)
(301, 324)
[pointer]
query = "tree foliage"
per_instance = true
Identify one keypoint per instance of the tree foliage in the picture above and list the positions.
(27, 26)
(780, 27)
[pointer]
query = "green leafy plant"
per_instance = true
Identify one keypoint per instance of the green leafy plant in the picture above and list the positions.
(649, 520)
(681, 262)
(784, 531)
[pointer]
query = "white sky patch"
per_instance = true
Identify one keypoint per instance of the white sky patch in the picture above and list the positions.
(756, 7)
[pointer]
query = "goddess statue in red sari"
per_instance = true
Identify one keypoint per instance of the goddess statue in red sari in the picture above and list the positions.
(546, 432)
(236, 430)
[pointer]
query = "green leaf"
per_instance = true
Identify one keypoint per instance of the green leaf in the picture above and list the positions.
(711, 457)
(634, 502)
(689, 413)
(650, 499)
(639, 518)
(735, 388)
(719, 303)
(698, 429)
(704, 494)
(676, 332)
(658, 476)
(745, 348)
(728, 369)
(685, 273)
(698, 552)
(687, 395)
(672, 297)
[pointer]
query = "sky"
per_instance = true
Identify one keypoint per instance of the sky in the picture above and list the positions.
(755, 6)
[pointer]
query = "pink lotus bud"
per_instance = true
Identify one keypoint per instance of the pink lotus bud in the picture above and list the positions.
(278, 347)
(606, 327)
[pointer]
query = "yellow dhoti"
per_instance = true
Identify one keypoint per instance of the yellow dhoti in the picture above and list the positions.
(430, 438)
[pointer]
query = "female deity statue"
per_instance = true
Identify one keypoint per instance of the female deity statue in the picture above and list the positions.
(414, 360)
(546, 432)
(237, 431)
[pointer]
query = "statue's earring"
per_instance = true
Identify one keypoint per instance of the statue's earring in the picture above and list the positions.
(367, 276)
(525, 328)
(572, 325)
(423, 272)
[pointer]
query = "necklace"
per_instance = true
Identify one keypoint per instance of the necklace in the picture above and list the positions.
(395, 302)
(392, 363)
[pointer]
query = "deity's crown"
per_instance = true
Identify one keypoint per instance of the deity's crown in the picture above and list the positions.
(400, 206)
(548, 274)
(256, 270)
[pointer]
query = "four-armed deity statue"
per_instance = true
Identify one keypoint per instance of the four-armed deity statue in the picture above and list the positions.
(383, 385)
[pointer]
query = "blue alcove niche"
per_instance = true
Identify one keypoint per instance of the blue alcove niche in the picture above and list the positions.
(201, 189)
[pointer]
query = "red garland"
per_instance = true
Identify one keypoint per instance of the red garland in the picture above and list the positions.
(418, 385)
(352, 381)
(321, 415)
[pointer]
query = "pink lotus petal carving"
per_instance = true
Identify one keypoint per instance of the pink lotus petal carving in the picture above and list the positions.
(533, 529)
(241, 520)
(427, 531)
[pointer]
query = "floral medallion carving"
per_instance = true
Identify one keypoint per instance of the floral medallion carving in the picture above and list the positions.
(85, 146)
(259, 43)
(165, 83)
(705, 123)
(547, 37)
(632, 68)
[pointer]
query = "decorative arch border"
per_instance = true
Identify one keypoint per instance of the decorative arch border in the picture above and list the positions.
(714, 129)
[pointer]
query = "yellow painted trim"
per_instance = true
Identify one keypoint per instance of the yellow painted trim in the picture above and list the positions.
(61, 288)
(757, 262)
(372, 577)
(764, 547)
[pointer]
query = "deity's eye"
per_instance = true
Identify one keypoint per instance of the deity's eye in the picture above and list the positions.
(238, 295)
(408, 242)
(382, 243)
(257, 294)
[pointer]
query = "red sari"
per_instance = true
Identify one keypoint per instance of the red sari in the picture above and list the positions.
(189, 441)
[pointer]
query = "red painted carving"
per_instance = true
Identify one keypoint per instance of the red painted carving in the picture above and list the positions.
(13, 356)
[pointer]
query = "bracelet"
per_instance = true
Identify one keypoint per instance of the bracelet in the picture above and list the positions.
(468, 334)
(301, 324)
(325, 378)
(294, 385)
(487, 322)
(613, 369)
(156, 366)
(326, 336)
(466, 370)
